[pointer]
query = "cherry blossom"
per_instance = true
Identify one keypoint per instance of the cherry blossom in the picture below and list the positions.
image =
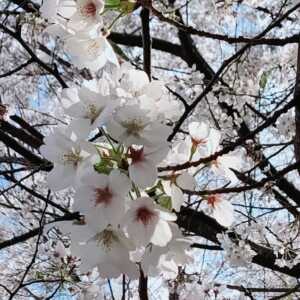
(223, 210)
(174, 187)
(224, 163)
(140, 142)
(179, 153)
(132, 126)
(143, 166)
(179, 250)
(199, 133)
(70, 157)
(81, 14)
(106, 249)
(101, 198)
(166, 260)
(91, 292)
(79, 25)
(90, 51)
(136, 83)
(60, 250)
(237, 254)
(146, 223)
(87, 14)
(52, 9)
(89, 108)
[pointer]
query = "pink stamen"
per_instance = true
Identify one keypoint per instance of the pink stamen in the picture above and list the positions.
(144, 215)
(103, 196)
(213, 199)
(199, 142)
(89, 10)
(137, 155)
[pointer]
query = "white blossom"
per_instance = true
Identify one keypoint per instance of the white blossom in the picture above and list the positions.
(238, 254)
(89, 108)
(101, 198)
(132, 126)
(107, 249)
(173, 188)
(144, 161)
(223, 210)
(70, 157)
(146, 223)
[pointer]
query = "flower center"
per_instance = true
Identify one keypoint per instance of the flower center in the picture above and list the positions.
(212, 200)
(72, 157)
(133, 127)
(107, 238)
(93, 112)
(103, 196)
(144, 215)
(94, 47)
(215, 163)
(196, 142)
(137, 155)
(89, 10)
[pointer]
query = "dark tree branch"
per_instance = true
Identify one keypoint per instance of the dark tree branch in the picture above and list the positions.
(30, 156)
(223, 67)
(20, 134)
(200, 224)
(257, 40)
(32, 233)
(33, 56)
(17, 69)
(232, 146)
(146, 38)
(27, 127)
(297, 109)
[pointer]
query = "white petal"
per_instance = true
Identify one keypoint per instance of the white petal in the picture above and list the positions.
(177, 197)
(67, 8)
(50, 152)
(110, 54)
(115, 130)
(57, 30)
(198, 130)
(162, 234)
(143, 174)
(224, 213)
(158, 153)
(213, 141)
(95, 179)
(119, 183)
(154, 89)
(186, 181)
(69, 96)
(61, 177)
(49, 8)
(167, 216)
(81, 128)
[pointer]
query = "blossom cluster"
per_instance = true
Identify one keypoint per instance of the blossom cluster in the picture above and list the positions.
(123, 226)
(79, 24)
(128, 221)
(110, 153)
(238, 254)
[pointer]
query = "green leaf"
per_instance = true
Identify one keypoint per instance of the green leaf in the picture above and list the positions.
(165, 202)
(112, 3)
(264, 79)
(103, 167)
(39, 275)
(124, 6)
(128, 6)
